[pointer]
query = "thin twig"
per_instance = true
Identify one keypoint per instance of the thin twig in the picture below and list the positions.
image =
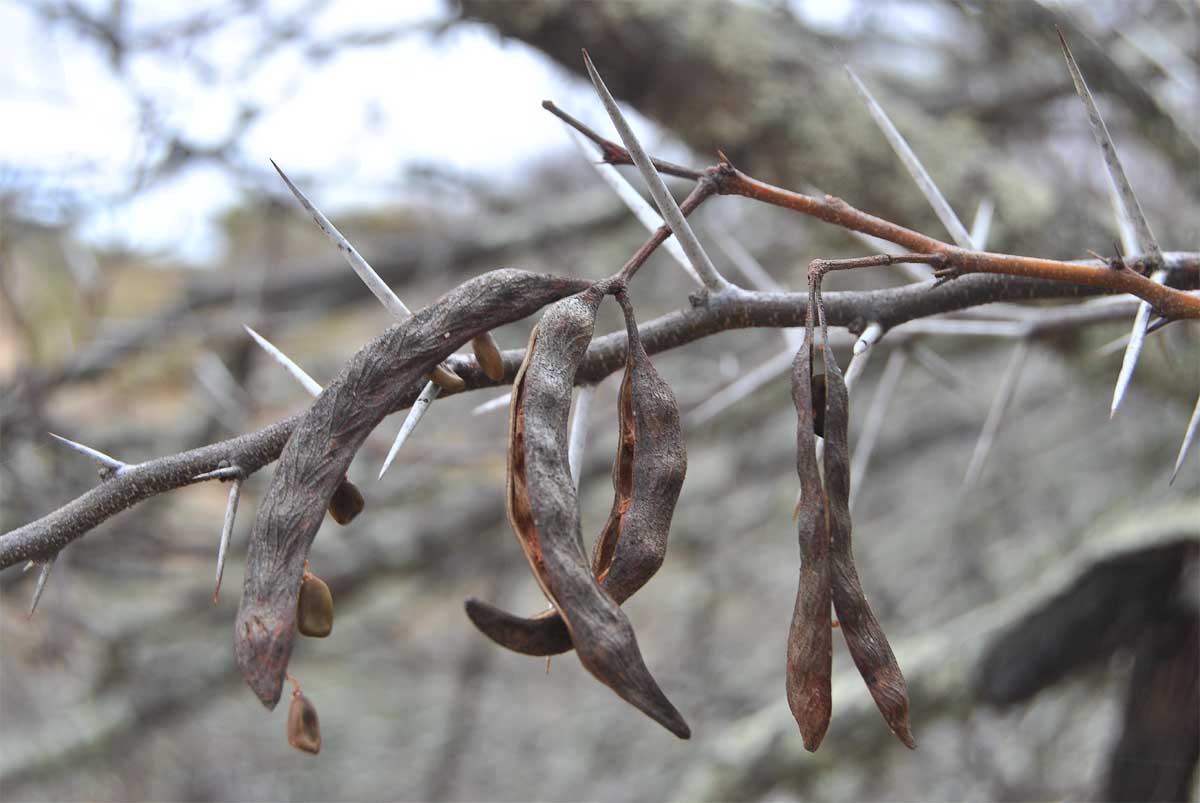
(613, 152)
(658, 190)
(235, 493)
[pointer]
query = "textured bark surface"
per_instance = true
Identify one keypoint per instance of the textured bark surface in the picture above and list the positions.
(324, 442)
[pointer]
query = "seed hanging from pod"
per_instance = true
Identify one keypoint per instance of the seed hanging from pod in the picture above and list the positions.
(303, 727)
(346, 503)
(647, 476)
(544, 510)
(487, 354)
(314, 609)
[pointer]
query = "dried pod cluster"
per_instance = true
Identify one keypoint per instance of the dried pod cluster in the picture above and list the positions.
(544, 512)
(827, 570)
(647, 475)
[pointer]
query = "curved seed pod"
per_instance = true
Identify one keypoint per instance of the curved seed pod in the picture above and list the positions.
(446, 379)
(314, 607)
(303, 727)
(648, 473)
(810, 637)
(864, 636)
(544, 511)
(487, 354)
(315, 459)
(346, 503)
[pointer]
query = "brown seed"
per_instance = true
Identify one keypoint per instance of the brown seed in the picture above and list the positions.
(346, 503)
(544, 510)
(810, 638)
(446, 379)
(648, 473)
(314, 609)
(487, 354)
(303, 727)
(818, 402)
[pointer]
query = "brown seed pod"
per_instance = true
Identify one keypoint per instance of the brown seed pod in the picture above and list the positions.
(648, 473)
(324, 440)
(544, 511)
(810, 637)
(864, 636)
(303, 727)
(314, 607)
(346, 503)
(446, 379)
(487, 354)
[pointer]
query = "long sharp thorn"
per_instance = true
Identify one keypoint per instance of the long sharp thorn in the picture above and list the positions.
(1000, 402)
(370, 278)
(868, 338)
(235, 493)
(223, 473)
(1126, 201)
(873, 424)
(307, 382)
(915, 169)
(1137, 338)
(981, 226)
(415, 414)
(1188, 438)
(658, 190)
(43, 576)
(498, 403)
(100, 457)
(578, 438)
(636, 204)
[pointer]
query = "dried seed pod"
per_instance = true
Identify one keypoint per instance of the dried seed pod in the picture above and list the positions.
(544, 511)
(322, 442)
(648, 473)
(864, 636)
(487, 354)
(810, 637)
(303, 727)
(346, 503)
(314, 607)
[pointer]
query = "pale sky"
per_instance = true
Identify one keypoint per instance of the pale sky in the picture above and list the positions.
(466, 101)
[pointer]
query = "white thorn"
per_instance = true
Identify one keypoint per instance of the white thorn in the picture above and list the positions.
(578, 437)
(873, 424)
(915, 169)
(370, 278)
(415, 414)
(1188, 439)
(307, 382)
(658, 190)
(991, 425)
(498, 403)
(742, 387)
(223, 473)
(868, 338)
(43, 576)
(235, 493)
(1133, 351)
(981, 226)
(1135, 230)
(100, 457)
(636, 204)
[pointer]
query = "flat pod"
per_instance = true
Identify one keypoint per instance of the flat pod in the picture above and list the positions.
(544, 510)
(314, 461)
(648, 473)
(864, 636)
(303, 727)
(810, 636)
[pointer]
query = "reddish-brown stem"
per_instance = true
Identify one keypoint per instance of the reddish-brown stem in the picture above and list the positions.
(704, 189)
(823, 266)
(614, 153)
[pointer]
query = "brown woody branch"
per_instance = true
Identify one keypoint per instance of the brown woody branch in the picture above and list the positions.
(736, 310)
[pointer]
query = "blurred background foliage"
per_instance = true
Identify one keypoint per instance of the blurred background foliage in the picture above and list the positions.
(1017, 607)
